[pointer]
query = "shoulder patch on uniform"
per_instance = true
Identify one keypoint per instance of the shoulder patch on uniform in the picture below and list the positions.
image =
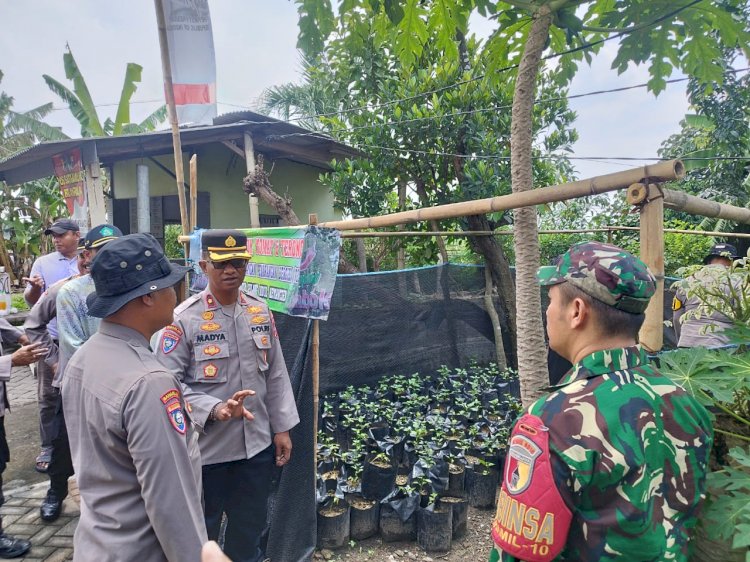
(176, 417)
(532, 519)
(676, 304)
(187, 303)
(170, 338)
(170, 395)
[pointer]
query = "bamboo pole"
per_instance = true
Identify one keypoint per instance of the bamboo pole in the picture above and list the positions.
(651, 335)
(680, 201)
(313, 219)
(176, 143)
(193, 192)
(661, 171)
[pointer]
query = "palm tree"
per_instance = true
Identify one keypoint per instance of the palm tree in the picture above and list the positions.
(21, 130)
(83, 109)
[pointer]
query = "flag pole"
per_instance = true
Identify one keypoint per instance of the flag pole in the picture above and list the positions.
(179, 171)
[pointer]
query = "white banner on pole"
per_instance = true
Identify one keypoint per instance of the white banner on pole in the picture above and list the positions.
(191, 56)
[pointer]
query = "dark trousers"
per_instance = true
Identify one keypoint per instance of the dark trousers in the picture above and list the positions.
(4, 460)
(47, 397)
(61, 466)
(240, 489)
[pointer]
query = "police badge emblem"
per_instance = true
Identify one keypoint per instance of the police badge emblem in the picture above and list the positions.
(176, 417)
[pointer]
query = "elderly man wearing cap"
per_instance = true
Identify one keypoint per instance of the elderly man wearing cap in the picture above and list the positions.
(134, 449)
(37, 329)
(612, 462)
(45, 272)
(705, 329)
(75, 326)
(222, 340)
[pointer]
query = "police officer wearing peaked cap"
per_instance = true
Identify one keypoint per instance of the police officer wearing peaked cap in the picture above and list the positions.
(134, 449)
(612, 462)
(223, 340)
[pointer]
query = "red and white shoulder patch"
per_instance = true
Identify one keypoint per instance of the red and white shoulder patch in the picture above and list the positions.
(532, 520)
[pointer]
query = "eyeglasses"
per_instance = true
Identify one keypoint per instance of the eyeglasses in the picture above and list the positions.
(238, 263)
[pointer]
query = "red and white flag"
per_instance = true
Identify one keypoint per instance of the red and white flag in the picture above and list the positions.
(192, 59)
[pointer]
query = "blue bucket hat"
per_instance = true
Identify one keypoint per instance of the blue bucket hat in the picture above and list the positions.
(127, 268)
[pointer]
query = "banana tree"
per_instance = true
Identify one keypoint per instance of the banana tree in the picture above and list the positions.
(82, 106)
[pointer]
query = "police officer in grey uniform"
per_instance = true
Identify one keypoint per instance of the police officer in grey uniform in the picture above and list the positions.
(222, 340)
(134, 449)
(706, 331)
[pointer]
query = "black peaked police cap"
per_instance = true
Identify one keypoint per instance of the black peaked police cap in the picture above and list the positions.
(127, 268)
(225, 244)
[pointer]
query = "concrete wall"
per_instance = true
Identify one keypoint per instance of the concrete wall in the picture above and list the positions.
(220, 172)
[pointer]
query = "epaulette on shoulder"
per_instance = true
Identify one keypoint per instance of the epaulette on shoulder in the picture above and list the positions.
(187, 303)
(253, 299)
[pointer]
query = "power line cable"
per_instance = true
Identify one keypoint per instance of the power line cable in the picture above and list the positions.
(323, 134)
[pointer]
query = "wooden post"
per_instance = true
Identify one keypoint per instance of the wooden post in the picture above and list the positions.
(651, 335)
(313, 219)
(193, 192)
(94, 194)
(176, 143)
(250, 167)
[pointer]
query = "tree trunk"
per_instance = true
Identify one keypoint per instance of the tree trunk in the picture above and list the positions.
(434, 225)
(361, 255)
(258, 183)
(532, 361)
(487, 246)
(497, 263)
(502, 361)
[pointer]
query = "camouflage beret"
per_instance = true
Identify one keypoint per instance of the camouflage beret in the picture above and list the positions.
(605, 272)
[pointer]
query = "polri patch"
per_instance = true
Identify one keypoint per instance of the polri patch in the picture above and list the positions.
(254, 309)
(211, 350)
(676, 304)
(176, 417)
(210, 326)
(208, 315)
(169, 341)
(210, 371)
(259, 319)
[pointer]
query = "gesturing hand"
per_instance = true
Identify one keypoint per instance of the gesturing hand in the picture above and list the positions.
(35, 281)
(234, 407)
(28, 354)
(283, 444)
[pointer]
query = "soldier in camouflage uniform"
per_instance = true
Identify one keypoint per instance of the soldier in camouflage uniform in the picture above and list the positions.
(612, 463)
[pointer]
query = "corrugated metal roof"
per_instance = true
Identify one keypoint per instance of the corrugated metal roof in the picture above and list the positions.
(275, 138)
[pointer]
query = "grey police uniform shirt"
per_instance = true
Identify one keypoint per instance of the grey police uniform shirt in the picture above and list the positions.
(215, 354)
(134, 451)
(8, 334)
(708, 330)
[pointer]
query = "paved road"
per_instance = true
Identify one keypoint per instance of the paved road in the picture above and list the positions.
(24, 488)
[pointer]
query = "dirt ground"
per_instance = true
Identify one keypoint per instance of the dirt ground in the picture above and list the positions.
(473, 547)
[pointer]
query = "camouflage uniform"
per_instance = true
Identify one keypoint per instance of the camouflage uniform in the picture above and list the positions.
(628, 449)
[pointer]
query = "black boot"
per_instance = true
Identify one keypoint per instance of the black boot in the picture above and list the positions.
(11, 547)
(51, 506)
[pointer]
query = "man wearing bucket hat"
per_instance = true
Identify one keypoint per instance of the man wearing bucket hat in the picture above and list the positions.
(704, 328)
(612, 462)
(75, 326)
(134, 449)
(222, 340)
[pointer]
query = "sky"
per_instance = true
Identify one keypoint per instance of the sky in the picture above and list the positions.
(255, 44)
